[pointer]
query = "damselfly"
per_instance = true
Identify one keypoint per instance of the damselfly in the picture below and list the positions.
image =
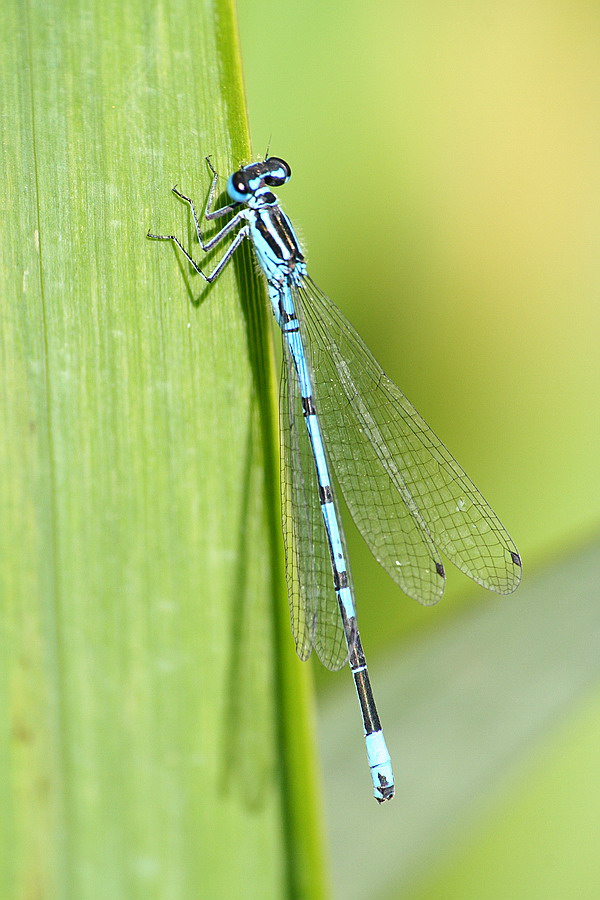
(409, 498)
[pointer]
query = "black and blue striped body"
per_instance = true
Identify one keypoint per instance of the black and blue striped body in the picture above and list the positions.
(279, 253)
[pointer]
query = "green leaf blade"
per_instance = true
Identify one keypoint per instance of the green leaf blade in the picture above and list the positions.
(148, 690)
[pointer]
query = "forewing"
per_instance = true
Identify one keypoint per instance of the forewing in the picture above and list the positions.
(314, 612)
(409, 497)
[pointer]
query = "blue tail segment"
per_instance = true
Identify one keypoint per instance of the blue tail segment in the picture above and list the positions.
(410, 499)
(381, 766)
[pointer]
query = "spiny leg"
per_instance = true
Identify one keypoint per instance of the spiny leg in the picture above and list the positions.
(208, 215)
(215, 213)
(240, 236)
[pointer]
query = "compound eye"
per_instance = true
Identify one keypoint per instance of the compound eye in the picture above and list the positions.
(238, 186)
(240, 183)
(278, 171)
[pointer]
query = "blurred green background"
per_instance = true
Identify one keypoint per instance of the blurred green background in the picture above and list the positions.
(446, 162)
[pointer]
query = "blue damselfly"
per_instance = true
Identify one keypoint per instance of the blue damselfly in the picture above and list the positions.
(408, 496)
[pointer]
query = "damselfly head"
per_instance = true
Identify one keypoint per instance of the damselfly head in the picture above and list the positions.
(250, 184)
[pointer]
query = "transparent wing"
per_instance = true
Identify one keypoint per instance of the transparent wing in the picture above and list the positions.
(408, 496)
(314, 610)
